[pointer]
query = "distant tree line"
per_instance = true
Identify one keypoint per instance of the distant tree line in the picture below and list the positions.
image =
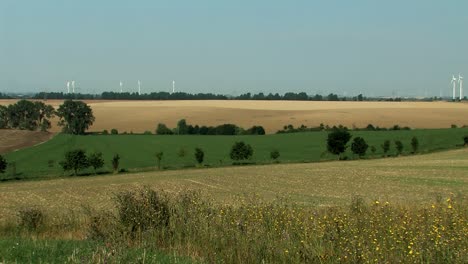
(225, 129)
(4, 96)
(291, 129)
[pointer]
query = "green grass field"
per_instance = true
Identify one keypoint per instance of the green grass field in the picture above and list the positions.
(138, 151)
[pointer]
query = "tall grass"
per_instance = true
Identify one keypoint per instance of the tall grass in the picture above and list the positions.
(254, 231)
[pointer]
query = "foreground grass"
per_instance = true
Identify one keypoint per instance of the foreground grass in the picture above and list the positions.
(24, 250)
(138, 151)
(254, 231)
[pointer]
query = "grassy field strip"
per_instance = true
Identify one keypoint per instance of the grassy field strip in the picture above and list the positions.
(401, 180)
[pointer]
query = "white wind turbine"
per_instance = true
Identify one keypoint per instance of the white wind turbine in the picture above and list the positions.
(68, 87)
(139, 87)
(121, 85)
(454, 83)
(460, 81)
(173, 86)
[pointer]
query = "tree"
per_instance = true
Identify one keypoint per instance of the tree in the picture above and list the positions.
(3, 164)
(75, 160)
(415, 144)
(182, 127)
(44, 112)
(159, 156)
(337, 140)
(114, 131)
(359, 146)
(115, 162)
(241, 151)
(465, 140)
(373, 149)
(162, 129)
(386, 147)
(3, 116)
(199, 155)
(75, 117)
(96, 161)
(274, 155)
(399, 146)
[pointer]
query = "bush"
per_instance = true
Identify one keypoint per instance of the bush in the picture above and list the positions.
(142, 210)
(115, 162)
(465, 140)
(114, 131)
(399, 147)
(241, 151)
(359, 146)
(373, 149)
(31, 218)
(255, 130)
(415, 144)
(105, 132)
(274, 155)
(182, 153)
(454, 126)
(96, 161)
(3, 164)
(147, 132)
(75, 160)
(159, 156)
(386, 147)
(199, 155)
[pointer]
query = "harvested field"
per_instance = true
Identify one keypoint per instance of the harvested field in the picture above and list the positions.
(138, 116)
(407, 180)
(11, 140)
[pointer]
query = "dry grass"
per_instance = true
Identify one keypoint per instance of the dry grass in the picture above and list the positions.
(406, 180)
(138, 116)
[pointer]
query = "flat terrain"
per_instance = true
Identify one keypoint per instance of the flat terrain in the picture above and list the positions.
(11, 140)
(413, 179)
(138, 116)
(138, 151)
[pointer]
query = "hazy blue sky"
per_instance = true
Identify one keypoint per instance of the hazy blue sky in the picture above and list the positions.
(345, 47)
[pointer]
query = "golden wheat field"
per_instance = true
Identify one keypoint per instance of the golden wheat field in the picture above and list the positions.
(407, 180)
(139, 116)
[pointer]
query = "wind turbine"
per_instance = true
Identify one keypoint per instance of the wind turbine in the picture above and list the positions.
(460, 81)
(73, 86)
(173, 86)
(139, 87)
(454, 82)
(68, 87)
(121, 85)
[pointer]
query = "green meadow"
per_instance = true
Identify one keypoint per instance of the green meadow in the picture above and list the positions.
(137, 152)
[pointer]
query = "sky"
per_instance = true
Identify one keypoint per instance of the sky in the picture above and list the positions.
(378, 48)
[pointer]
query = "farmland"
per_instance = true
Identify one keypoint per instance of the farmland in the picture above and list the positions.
(140, 116)
(138, 151)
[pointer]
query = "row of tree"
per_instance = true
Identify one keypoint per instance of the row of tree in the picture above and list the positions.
(225, 129)
(291, 129)
(75, 117)
(291, 96)
(338, 139)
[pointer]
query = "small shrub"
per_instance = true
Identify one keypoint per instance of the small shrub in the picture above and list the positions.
(115, 162)
(454, 126)
(96, 160)
(147, 132)
(3, 164)
(399, 147)
(386, 147)
(31, 218)
(159, 156)
(50, 163)
(199, 155)
(182, 153)
(359, 146)
(274, 155)
(114, 131)
(373, 149)
(414, 144)
(12, 166)
(162, 129)
(105, 132)
(465, 140)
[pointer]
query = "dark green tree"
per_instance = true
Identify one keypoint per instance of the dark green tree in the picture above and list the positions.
(386, 147)
(199, 155)
(465, 140)
(274, 155)
(399, 147)
(241, 151)
(162, 129)
(115, 162)
(3, 164)
(182, 128)
(75, 160)
(337, 140)
(23, 115)
(3, 116)
(114, 131)
(359, 146)
(415, 144)
(75, 117)
(96, 161)
(159, 156)
(373, 149)
(45, 112)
